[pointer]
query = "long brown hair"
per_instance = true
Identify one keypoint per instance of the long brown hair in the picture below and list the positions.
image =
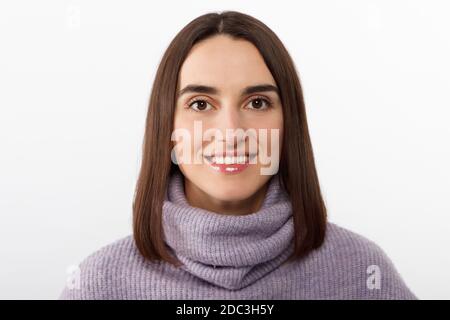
(297, 168)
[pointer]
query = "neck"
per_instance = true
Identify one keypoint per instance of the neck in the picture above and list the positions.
(200, 199)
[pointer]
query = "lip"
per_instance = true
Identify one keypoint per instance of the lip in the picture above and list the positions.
(233, 168)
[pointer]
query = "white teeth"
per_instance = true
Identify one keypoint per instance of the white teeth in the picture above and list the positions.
(230, 160)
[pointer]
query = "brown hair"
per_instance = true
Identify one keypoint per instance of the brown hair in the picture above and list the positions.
(297, 169)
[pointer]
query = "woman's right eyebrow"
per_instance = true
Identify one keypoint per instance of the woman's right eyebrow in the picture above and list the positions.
(197, 88)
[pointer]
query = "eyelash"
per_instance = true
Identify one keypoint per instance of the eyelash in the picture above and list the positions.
(268, 103)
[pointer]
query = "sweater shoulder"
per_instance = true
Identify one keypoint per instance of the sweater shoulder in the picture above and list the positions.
(353, 247)
(116, 249)
(89, 281)
(351, 240)
(362, 264)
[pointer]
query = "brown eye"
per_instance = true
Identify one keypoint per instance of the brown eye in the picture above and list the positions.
(199, 105)
(259, 104)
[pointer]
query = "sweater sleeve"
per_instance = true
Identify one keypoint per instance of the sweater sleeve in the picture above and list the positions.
(370, 274)
(391, 285)
(89, 282)
(395, 288)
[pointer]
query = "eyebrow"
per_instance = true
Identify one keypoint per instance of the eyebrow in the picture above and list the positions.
(196, 88)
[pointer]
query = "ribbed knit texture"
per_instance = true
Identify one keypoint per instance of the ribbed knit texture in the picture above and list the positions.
(238, 257)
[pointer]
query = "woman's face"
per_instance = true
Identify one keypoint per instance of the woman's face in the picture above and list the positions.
(225, 85)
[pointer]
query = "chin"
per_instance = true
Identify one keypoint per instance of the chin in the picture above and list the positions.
(233, 189)
(223, 187)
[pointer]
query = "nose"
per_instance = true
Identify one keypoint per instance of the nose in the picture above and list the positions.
(229, 118)
(228, 121)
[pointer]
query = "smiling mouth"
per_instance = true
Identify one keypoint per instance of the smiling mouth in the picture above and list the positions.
(229, 164)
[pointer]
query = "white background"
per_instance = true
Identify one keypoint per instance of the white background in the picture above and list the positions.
(75, 78)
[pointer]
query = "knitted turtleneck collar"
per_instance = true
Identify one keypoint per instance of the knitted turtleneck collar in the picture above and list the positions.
(226, 250)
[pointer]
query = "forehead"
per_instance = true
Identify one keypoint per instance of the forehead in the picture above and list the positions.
(226, 63)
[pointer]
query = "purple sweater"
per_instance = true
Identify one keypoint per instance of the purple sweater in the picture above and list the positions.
(239, 257)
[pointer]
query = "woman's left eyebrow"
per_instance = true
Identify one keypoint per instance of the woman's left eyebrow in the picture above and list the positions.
(197, 88)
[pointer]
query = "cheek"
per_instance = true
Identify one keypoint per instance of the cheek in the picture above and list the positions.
(179, 120)
(279, 124)
(181, 141)
(273, 128)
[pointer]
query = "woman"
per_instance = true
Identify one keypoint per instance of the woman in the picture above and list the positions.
(228, 203)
